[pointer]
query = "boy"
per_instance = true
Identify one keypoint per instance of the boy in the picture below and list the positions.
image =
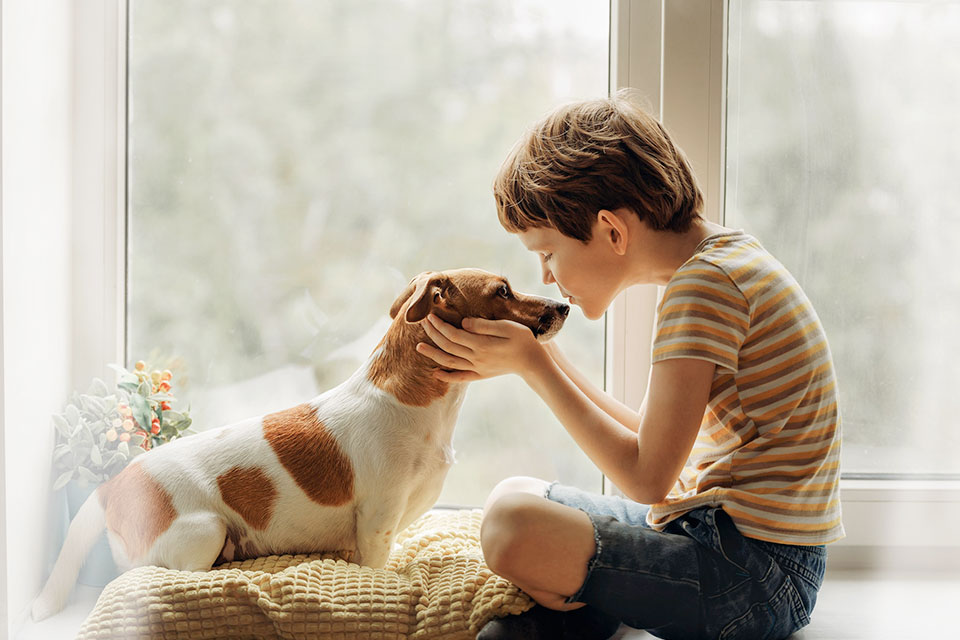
(736, 445)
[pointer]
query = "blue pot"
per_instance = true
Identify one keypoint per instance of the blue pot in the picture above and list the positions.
(99, 568)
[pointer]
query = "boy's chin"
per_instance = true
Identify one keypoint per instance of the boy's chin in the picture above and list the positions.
(591, 314)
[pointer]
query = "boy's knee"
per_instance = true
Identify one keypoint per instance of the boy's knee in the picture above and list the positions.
(515, 484)
(506, 528)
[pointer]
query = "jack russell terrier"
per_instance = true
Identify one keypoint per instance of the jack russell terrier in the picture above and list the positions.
(347, 470)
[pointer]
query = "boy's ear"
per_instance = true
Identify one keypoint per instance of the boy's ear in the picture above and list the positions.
(615, 228)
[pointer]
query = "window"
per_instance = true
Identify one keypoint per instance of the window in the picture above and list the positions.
(842, 149)
(293, 164)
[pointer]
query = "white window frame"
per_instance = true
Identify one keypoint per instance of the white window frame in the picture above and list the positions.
(672, 51)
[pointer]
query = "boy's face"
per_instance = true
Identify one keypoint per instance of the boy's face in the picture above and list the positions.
(588, 275)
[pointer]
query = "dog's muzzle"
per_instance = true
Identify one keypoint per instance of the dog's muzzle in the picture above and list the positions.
(551, 320)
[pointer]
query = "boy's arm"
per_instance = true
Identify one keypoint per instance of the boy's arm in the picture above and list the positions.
(613, 407)
(645, 465)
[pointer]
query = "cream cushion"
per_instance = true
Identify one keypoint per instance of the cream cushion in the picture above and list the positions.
(435, 585)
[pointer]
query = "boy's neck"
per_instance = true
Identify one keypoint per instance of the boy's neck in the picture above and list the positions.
(668, 250)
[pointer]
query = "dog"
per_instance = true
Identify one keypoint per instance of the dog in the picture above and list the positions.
(346, 471)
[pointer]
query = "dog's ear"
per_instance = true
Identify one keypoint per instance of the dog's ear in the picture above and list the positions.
(417, 289)
(427, 294)
(404, 295)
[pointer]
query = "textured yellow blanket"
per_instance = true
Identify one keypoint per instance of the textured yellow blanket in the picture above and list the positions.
(435, 585)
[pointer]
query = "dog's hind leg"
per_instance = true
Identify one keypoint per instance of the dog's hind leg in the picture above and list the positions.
(192, 543)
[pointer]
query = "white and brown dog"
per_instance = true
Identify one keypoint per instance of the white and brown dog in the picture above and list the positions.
(347, 470)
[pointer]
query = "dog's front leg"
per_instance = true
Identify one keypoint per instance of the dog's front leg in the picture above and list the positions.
(376, 530)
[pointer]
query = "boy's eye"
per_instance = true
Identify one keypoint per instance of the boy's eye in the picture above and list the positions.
(503, 291)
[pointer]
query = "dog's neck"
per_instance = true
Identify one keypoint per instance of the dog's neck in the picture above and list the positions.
(397, 368)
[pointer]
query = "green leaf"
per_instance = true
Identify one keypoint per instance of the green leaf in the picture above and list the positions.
(95, 456)
(130, 387)
(87, 475)
(172, 416)
(72, 415)
(137, 440)
(98, 387)
(62, 480)
(136, 451)
(60, 451)
(141, 411)
(62, 425)
(124, 448)
(117, 457)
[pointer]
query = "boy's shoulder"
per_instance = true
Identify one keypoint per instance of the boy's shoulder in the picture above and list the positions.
(740, 259)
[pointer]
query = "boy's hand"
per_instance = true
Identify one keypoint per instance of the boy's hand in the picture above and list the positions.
(482, 349)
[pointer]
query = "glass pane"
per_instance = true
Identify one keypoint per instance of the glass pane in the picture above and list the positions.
(293, 164)
(843, 148)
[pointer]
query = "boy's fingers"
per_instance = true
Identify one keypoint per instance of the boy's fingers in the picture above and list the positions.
(445, 343)
(442, 357)
(456, 376)
(461, 337)
(498, 328)
(482, 325)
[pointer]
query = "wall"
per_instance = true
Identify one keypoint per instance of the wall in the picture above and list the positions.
(36, 195)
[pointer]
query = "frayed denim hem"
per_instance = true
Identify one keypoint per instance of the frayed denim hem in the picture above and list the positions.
(592, 562)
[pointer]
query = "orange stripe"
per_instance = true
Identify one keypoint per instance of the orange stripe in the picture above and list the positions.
(779, 344)
(803, 472)
(792, 487)
(795, 526)
(692, 326)
(794, 505)
(774, 300)
(735, 303)
(755, 287)
(721, 312)
(742, 269)
(785, 317)
(786, 457)
(758, 399)
(672, 348)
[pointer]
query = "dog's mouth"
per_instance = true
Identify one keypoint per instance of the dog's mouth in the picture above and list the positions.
(550, 322)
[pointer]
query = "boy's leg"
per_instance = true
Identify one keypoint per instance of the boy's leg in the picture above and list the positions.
(541, 546)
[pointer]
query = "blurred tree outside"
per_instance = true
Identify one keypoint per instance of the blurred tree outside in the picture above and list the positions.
(293, 164)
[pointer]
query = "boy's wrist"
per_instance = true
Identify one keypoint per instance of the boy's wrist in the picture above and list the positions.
(540, 361)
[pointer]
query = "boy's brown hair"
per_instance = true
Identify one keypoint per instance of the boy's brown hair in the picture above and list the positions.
(593, 155)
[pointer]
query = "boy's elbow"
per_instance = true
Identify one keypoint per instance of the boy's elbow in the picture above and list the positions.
(647, 488)
(648, 495)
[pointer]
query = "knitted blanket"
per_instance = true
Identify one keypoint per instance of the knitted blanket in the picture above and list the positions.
(435, 585)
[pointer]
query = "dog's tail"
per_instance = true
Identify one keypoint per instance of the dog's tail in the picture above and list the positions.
(81, 536)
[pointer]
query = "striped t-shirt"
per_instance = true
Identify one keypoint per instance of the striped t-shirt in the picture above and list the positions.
(768, 450)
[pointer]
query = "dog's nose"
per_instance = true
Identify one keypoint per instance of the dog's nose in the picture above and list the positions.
(563, 310)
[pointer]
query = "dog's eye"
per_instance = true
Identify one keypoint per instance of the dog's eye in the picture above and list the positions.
(503, 291)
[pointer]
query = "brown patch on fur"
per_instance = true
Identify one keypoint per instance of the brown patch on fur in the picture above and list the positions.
(249, 492)
(137, 509)
(310, 453)
(235, 548)
(402, 372)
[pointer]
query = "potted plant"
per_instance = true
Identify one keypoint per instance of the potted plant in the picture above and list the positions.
(101, 431)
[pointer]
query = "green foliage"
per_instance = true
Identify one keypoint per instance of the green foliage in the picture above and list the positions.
(101, 431)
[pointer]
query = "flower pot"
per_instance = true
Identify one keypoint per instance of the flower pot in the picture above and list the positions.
(99, 568)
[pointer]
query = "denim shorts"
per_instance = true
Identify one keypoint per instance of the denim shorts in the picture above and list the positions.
(699, 578)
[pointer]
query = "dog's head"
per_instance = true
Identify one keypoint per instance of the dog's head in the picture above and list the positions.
(462, 293)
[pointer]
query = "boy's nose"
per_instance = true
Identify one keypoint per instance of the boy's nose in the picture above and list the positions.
(547, 276)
